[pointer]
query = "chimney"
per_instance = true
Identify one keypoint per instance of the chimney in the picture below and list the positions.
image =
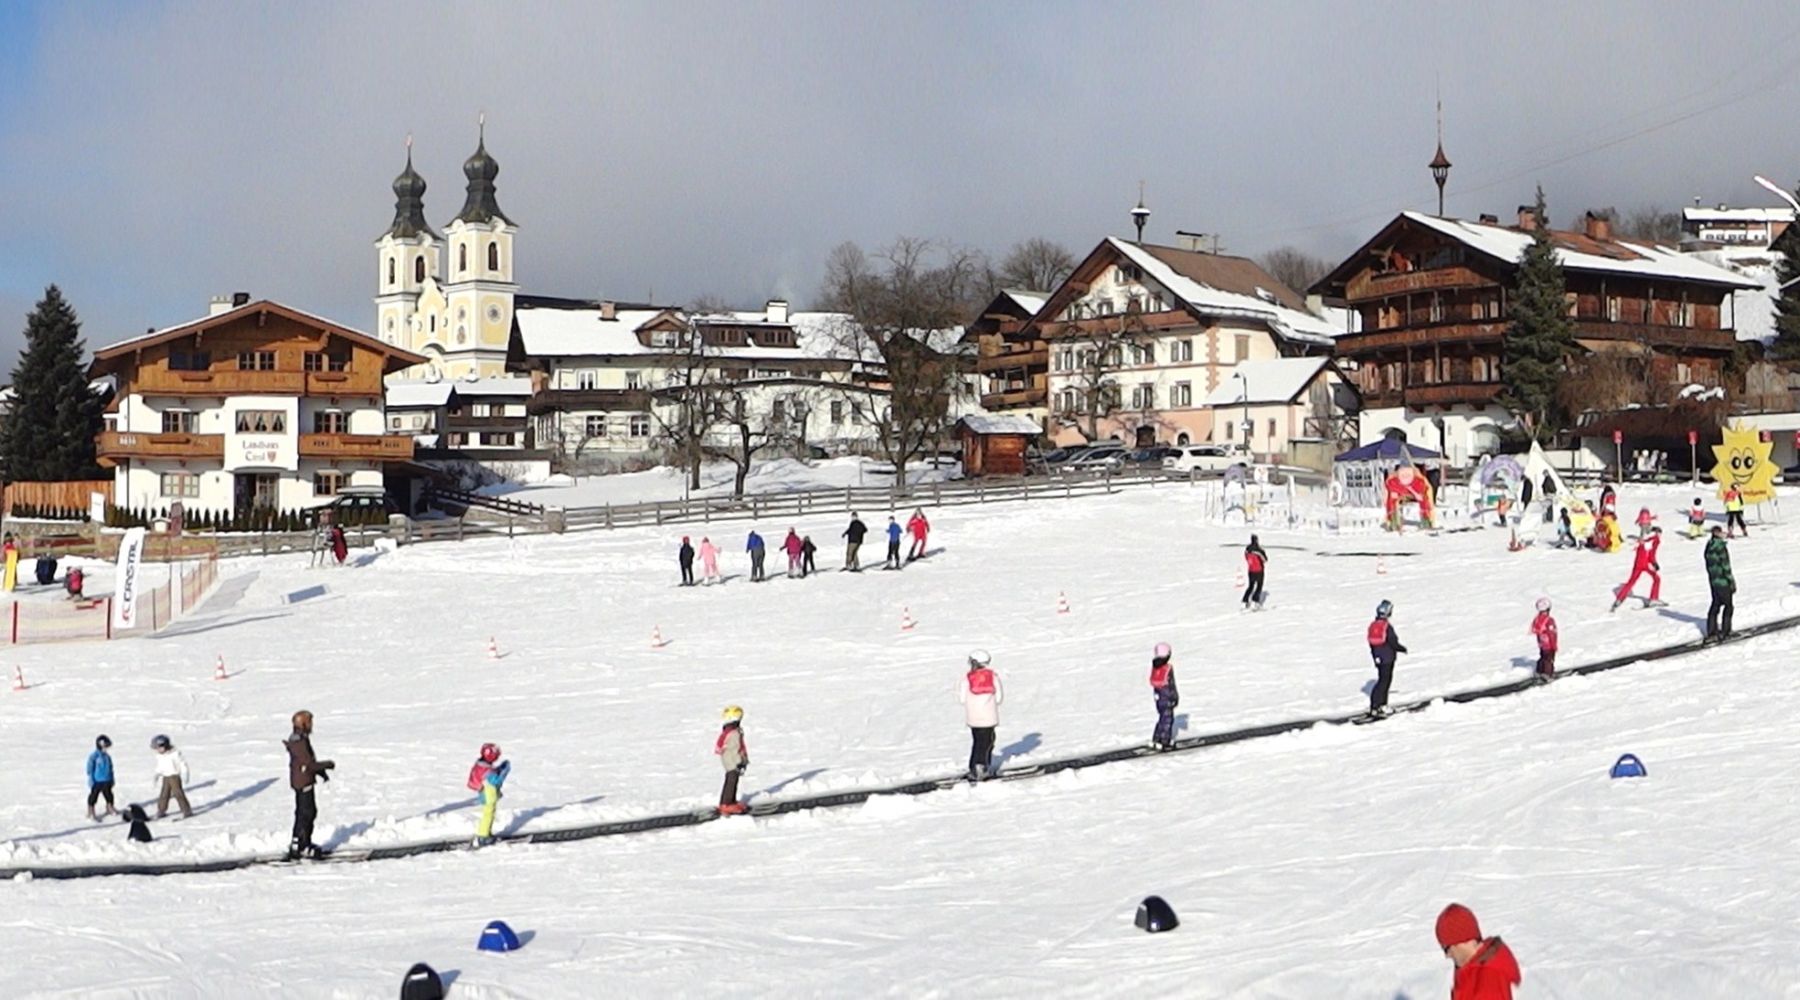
(609, 310)
(1597, 226)
(240, 299)
(219, 304)
(1528, 219)
(776, 311)
(1490, 219)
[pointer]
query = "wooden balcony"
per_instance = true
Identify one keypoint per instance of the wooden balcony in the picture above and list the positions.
(1025, 357)
(1434, 394)
(1353, 345)
(1657, 335)
(491, 422)
(1379, 286)
(152, 381)
(552, 400)
(111, 446)
(364, 447)
(1359, 346)
(1013, 399)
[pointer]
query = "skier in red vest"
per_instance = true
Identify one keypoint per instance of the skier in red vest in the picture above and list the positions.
(918, 528)
(1544, 628)
(1384, 647)
(1644, 563)
(734, 756)
(1255, 560)
(1162, 685)
(981, 696)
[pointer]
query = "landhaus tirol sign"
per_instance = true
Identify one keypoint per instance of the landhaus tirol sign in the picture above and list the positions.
(261, 439)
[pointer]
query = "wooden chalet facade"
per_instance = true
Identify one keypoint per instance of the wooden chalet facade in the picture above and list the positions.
(256, 406)
(1014, 364)
(1433, 295)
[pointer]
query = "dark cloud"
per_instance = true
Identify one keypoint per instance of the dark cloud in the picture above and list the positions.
(164, 153)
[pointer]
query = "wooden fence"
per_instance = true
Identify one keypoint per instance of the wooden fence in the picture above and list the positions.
(72, 495)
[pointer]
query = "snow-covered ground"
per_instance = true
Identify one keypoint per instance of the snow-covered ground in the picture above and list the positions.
(663, 483)
(1304, 866)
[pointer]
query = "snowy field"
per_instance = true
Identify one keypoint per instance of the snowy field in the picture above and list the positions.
(664, 483)
(1304, 866)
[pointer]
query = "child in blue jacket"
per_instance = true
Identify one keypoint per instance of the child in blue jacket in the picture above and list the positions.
(100, 778)
(486, 777)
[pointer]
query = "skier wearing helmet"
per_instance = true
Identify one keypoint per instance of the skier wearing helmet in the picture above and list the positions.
(303, 768)
(1544, 627)
(981, 696)
(486, 777)
(171, 777)
(734, 755)
(1384, 646)
(100, 777)
(1162, 685)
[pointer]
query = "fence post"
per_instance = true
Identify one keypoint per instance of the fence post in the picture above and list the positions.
(509, 525)
(15, 622)
(459, 528)
(108, 617)
(609, 523)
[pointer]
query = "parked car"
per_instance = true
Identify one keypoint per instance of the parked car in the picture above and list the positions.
(1106, 459)
(1151, 457)
(1203, 458)
(1069, 453)
(353, 505)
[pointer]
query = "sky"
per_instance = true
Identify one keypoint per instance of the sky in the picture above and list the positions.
(159, 154)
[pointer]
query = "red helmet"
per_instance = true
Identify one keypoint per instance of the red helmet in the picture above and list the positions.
(490, 752)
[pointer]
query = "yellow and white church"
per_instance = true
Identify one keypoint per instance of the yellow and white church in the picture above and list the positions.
(448, 297)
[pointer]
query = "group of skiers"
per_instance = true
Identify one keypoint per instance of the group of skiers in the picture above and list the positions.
(800, 549)
(169, 767)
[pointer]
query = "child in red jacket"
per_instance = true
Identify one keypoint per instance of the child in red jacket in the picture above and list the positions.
(1485, 967)
(1544, 627)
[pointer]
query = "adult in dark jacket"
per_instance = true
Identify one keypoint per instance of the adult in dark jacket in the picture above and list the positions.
(303, 769)
(757, 549)
(1723, 584)
(1255, 561)
(1548, 488)
(687, 562)
(853, 536)
(1384, 646)
(807, 548)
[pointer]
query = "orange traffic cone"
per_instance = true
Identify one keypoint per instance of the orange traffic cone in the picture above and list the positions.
(219, 673)
(1381, 565)
(1062, 603)
(493, 649)
(656, 639)
(18, 678)
(906, 620)
(1239, 581)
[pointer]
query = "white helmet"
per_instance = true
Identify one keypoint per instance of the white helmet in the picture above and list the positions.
(978, 658)
(1162, 651)
(1543, 604)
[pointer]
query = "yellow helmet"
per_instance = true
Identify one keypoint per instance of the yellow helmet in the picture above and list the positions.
(732, 713)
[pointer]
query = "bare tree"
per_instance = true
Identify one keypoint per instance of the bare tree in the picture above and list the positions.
(745, 430)
(693, 388)
(895, 304)
(1649, 224)
(1294, 267)
(1101, 346)
(1037, 264)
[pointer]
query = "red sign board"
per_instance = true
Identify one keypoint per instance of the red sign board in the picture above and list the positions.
(1694, 436)
(1618, 437)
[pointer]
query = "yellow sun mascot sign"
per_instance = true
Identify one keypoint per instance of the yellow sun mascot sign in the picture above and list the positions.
(1744, 461)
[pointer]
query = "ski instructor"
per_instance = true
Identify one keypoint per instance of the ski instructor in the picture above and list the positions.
(303, 767)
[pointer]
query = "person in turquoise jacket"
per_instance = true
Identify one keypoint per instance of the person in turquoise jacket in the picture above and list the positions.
(100, 777)
(486, 777)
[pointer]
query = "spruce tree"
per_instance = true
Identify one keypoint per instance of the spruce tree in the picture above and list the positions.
(1786, 345)
(48, 435)
(1540, 337)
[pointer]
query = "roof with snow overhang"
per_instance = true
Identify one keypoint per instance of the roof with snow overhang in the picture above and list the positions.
(1278, 380)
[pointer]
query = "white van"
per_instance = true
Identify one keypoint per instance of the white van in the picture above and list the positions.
(1204, 458)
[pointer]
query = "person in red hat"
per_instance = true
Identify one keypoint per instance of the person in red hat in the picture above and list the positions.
(1485, 967)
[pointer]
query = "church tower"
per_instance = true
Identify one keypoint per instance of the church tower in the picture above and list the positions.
(478, 277)
(406, 261)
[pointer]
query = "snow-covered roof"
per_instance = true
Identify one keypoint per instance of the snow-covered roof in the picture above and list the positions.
(1278, 380)
(1294, 324)
(578, 330)
(1747, 215)
(1650, 260)
(1001, 423)
(1030, 301)
(494, 385)
(417, 392)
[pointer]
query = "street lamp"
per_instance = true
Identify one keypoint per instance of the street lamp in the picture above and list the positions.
(1244, 385)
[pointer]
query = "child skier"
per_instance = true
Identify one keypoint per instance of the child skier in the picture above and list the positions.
(981, 696)
(1644, 562)
(1696, 525)
(757, 549)
(171, 777)
(792, 546)
(807, 548)
(1565, 532)
(686, 557)
(734, 756)
(486, 777)
(1255, 559)
(709, 560)
(893, 551)
(1162, 686)
(1384, 646)
(100, 777)
(1644, 520)
(1734, 512)
(1544, 628)
(918, 528)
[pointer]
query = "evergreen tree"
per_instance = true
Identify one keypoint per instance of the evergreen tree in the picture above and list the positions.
(49, 429)
(1786, 345)
(1540, 337)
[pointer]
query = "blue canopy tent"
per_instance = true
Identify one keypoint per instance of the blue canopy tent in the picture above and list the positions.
(1359, 472)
